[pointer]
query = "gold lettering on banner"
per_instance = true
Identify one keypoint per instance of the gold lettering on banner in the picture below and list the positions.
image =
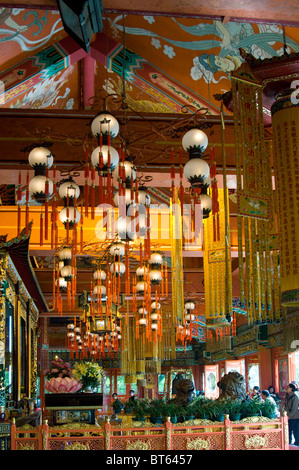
(198, 444)
(255, 442)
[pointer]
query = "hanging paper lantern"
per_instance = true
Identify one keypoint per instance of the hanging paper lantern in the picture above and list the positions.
(40, 158)
(126, 172)
(38, 190)
(141, 272)
(71, 215)
(103, 151)
(67, 272)
(99, 274)
(117, 250)
(117, 268)
(105, 124)
(124, 198)
(69, 189)
(99, 291)
(143, 197)
(206, 205)
(155, 276)
(195, 141)
(155, 260)
(65, 254)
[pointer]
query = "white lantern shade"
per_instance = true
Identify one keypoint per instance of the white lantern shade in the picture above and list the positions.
(155, 305)
(71, 335)
(99, 274)
(140, 286)
(117, 249)
(128, 170)
(155, 275)
(142, 321)
(73, 217)
(65, 253)
(189, 306)
(143, 197)
(124, 199)
(70, 326)
(117, 268)
(37, 186)
(195, 138)
(99, 291)
(121, 225)
(154, 326)
(66, 271)
(189, 317)
(69, 188)
(154, 316)
(142, 311)
(62, 283)
(141, 271)
(114, 157)
(105, 123)
(206, 202)
(196, 170)
(40, 156)
(156, 258)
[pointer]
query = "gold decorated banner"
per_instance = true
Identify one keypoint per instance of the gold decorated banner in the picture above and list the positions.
(217, 278)
(257, 232)
(252, 206)
(285, 124)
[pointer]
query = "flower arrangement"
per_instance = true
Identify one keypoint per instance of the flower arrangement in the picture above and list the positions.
(90, 374)
(60, 378)
(59, 368)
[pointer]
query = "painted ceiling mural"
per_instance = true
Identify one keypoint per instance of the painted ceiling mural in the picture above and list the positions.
(161, 64)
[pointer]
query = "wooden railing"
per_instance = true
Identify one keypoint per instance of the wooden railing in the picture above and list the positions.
(247, 434)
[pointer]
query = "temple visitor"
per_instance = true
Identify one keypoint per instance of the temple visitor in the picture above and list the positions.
(292, 409)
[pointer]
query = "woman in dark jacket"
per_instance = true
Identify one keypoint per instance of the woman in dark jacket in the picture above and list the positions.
(292, 409)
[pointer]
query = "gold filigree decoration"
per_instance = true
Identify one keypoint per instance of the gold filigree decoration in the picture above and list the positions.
(138, 445)
(198, 444)
(77, 446)
(255, 441)
(27, 447)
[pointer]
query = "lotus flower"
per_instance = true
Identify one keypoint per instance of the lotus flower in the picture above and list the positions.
(62, 385)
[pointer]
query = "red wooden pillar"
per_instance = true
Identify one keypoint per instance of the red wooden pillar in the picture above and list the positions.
(265, 368)
(285, 431)
(13, 435)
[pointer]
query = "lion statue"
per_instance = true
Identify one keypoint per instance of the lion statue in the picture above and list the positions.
(184, 392)
(232, 385)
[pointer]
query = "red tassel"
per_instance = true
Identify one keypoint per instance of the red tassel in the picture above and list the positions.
(41, 229)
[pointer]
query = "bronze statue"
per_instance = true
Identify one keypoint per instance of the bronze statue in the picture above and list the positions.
(184, 392)
(232, 385)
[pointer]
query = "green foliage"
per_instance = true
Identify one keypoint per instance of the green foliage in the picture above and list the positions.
(268, 408)
(140, 408)
(251, 408)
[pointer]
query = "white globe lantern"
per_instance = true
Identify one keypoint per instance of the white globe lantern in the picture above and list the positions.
(154, 326)
(142, 321)
(206, 204)
(65, 254)
(117, 268)
(154, 316)
(104, 149)
(69, 189)
(155, 305)
(126, 198)
(41, 157)
(67, 272)
(155, 276)
(70, 215)
(142, 311)
(117, 249)
(121, 225)
(37, 187)
(126, 170)
(189, 306)
(143, 197)
(195, 140)
(99, 274)
(140, 287)
(99, 291)
(196, 171)
(141, 271)
(155, 260)
(62, 283)
(105, 124)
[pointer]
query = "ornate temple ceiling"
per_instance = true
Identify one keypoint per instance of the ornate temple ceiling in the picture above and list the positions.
(163, 67)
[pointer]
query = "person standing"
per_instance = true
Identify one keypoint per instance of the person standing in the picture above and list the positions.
(292, 409)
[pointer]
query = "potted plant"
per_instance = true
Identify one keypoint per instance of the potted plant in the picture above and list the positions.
(171, 411)
(140, 409)
(235, 410)
(156, 411)
(189, 412)
(218, 410)
(268, 409)
(128, 406)
(251, 408)
(90, 374)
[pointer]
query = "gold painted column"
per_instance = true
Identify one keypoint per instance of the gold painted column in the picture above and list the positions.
(285, 124)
